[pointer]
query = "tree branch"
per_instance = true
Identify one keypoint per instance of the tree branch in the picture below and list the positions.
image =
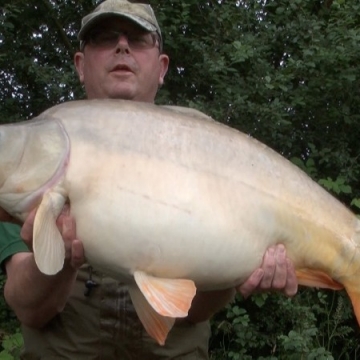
(59, 26)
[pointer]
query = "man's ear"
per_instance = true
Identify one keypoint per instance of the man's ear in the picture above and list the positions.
(164, 65)
(79, 64)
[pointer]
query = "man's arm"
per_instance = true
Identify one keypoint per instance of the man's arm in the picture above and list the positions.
(36, 298)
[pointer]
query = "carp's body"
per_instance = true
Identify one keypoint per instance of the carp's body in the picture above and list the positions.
(168, 201)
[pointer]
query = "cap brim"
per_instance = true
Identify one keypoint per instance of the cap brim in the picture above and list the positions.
(99, 17)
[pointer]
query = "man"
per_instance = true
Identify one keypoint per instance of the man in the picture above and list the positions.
(79, 313)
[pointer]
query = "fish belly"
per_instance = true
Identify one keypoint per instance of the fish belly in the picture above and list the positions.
(186, 197)
(170, 221)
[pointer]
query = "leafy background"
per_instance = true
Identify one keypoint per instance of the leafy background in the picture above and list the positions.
(284, 71)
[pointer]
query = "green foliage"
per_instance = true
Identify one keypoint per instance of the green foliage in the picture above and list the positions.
(338, 186)
(314, 325)
(284, 71)
(11, 345)
(356, 203)
(8, 321)
(10, 337)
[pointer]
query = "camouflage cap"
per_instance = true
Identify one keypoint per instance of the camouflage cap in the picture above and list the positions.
(142, 14)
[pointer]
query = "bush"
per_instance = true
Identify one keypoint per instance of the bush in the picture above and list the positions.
(313, 325)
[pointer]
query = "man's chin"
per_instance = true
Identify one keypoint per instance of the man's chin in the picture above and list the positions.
(124, 94)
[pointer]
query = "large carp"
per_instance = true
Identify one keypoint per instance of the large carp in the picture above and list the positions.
(168, 201)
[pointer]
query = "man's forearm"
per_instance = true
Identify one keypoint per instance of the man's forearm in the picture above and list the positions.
(36, 298)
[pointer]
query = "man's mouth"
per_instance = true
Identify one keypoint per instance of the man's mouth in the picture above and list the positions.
(121, 68)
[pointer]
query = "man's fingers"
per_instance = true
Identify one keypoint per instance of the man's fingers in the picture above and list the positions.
(276, 273)
(251, 284)
(74, 248)
(65, 212)
(269, 267)
(77, 254)
(280, 274)
(291, 287)
(68, 228)
(26, 232)
(68, 233)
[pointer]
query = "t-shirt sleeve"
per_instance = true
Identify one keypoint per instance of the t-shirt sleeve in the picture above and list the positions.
(10, 241)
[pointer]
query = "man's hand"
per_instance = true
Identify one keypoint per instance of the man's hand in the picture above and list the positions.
(276, 273)
(35, 297)
(74, 249)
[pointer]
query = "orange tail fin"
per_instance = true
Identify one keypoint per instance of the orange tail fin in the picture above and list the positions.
(355, 300)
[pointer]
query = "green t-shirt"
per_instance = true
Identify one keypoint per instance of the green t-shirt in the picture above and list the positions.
(10, 241)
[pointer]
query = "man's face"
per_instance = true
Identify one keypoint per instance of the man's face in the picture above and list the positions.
(121, 68)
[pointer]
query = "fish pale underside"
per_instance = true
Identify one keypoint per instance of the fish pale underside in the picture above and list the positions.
(170, 201)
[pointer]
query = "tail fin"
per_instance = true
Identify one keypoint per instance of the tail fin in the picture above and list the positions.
(354, 290)
(355, 300)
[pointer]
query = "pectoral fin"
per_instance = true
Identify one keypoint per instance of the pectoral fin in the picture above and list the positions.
(168, 297)
(48, 245)
(313, 278)
(157, 326)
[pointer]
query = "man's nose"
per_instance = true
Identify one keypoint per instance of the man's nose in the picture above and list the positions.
(122, 45)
